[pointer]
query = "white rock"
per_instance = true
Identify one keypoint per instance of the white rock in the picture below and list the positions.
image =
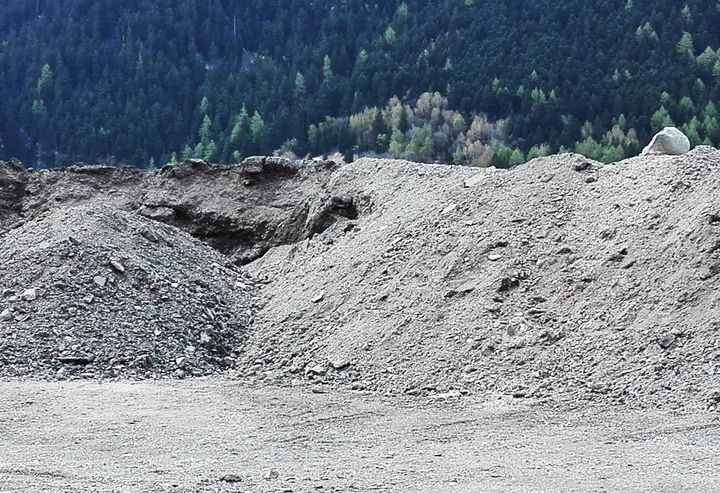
(450, 208)
(6, 315)
(474, 180)
(669, 140)
(338, 362)
(30, 294)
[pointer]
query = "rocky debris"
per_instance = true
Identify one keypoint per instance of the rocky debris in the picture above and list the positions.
(232, 478)
(113, 304)
(539, 289)
(380, 275)
(241, 210)
(260, 167)
(29, 294)
(669, 140)
(13, 184)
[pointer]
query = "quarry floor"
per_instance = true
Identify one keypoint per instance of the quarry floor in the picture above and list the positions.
(218, 435)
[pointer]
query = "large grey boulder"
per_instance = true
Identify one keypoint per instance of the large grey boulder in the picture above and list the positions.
(669, 140)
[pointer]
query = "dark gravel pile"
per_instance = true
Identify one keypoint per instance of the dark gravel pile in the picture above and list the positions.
(92, 291)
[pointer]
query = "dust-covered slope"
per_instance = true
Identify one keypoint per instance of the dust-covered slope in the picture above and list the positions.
(98, 292)
(560, 279)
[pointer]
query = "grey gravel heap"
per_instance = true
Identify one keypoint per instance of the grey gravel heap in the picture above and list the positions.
(559, 280)
(94, 292)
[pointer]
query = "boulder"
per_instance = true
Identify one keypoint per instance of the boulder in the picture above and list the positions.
(267, 166)
(670, 141)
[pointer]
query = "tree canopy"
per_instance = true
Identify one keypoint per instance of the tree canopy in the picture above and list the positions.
(120, 81)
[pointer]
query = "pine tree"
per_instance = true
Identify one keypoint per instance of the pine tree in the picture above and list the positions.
(258, 132)
(390, 36)
(685, 46)
(517, 158)
(707, 59)
(660, 119)
(45, 80)
(327, 69)
(300, 86)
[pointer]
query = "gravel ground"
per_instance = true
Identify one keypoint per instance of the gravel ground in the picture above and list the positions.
(211, 435)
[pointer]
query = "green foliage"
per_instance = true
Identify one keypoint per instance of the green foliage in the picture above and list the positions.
(538, 151)
(327, 69)
(685, 45)
(45, 80)
(687, 14)
(420, 147)
(125, 83)
(660, 119)
(390, 36)
(646, 35)
(300, 86)
(258, 132)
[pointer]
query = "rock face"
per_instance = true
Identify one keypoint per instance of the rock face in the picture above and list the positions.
(670, 141)
(13, 183)
(241, 210)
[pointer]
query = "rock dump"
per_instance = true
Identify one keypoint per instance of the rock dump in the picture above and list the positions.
(242, 211)
(561, 280)
(92, 291)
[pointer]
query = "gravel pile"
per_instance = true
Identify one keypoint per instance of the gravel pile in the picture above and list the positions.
(92, 291)
(561, 280)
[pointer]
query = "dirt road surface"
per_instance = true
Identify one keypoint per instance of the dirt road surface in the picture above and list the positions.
(217, 435)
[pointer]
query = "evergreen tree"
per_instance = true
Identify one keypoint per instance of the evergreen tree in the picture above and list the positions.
(685, 46)
(327, 69)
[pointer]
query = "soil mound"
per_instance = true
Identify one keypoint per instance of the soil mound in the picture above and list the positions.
(242, 211)
(98, 292)
(561, 279)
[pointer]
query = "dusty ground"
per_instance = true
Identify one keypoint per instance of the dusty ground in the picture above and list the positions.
(215, 435)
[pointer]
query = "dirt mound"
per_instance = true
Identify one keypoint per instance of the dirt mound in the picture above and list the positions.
(561, 279)
(241, 211)
(98, 292)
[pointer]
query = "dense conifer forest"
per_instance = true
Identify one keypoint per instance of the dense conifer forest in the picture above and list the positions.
(492, 82)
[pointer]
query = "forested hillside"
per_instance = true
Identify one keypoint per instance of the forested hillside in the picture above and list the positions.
(463, 81)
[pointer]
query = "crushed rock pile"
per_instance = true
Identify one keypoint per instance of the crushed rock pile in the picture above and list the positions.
(93, 291)
(561, 280)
